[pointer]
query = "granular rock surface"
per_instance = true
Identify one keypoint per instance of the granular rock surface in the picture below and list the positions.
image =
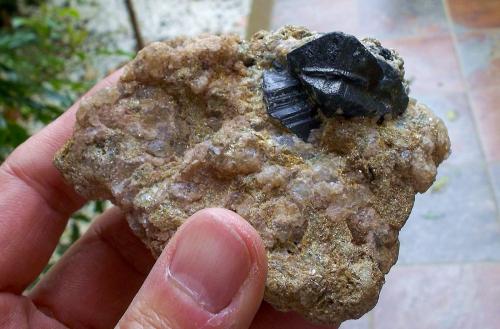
(186, 128)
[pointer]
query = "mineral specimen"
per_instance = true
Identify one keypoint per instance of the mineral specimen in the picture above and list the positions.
(341, 76)
(186, 127)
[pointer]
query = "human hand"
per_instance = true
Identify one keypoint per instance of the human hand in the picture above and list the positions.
(210, 275)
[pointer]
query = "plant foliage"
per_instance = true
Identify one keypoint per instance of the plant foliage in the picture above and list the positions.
(45, 51)
(43, 56)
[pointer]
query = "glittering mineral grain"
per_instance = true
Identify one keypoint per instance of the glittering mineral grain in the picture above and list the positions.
(186, 128)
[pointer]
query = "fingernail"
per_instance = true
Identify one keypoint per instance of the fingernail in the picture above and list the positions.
(210, 263)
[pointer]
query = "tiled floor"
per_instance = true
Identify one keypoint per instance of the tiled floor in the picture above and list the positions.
(449, 296)
(448, 274)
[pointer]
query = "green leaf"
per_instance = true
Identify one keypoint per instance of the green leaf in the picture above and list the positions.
(439, 184)
(18, 22)
(430, 215)
(99, 206)
(81, 217)
(75, 232)
(452, 115)
(17, 40)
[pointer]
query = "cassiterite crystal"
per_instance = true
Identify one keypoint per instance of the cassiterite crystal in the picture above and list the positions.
(287, 101)
(337, 75)
(187, 127)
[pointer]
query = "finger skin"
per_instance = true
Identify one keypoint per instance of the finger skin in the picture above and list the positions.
(19, 312)
(160, 302)
(35, 202)
(92, 285)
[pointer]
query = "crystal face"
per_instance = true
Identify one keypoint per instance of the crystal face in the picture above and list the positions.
(288, 102)
(337, 75)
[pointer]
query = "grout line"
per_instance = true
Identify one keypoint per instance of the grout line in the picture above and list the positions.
(470, 103)
(495, 194)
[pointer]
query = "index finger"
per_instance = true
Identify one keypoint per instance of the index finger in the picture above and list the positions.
(35, 202)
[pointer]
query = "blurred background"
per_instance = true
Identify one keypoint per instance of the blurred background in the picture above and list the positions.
(448, 273)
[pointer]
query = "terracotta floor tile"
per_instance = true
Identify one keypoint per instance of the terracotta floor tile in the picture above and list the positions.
(402, 18)
(318, 15)
(431, 64)
(486, 109)
(377, 18)
(455, 221)
(475, 13)
(480, 56)
(440, 297)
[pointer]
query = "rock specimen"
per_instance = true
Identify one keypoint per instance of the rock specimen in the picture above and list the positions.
(186, 128)
(335, 74)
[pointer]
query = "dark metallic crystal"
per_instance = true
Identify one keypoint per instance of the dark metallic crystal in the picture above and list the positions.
(341, 77)
(287, 102)
(344, 77)
(336, 56)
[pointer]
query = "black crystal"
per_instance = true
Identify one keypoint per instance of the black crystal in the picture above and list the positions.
(287, 102)
(338, 75)
(336, 56)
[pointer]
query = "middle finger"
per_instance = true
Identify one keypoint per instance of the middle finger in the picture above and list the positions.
(97, 278)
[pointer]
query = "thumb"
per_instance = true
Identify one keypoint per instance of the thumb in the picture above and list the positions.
(211, 275)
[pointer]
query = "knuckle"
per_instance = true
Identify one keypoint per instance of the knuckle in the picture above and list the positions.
(143, 315)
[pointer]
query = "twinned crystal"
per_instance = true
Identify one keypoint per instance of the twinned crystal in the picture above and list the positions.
(187, 127)
(338, 75)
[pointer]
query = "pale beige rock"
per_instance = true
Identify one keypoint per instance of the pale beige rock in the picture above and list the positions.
(186, 128)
